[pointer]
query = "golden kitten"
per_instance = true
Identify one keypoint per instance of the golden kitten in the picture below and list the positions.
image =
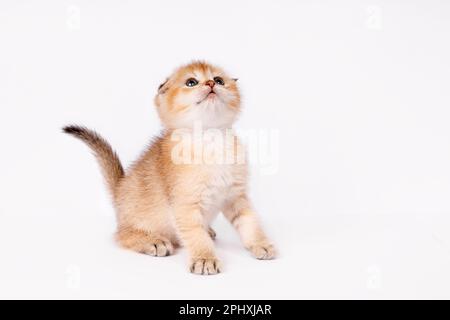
(161, 203)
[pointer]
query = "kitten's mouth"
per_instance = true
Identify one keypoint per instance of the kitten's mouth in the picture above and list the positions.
(210, 95)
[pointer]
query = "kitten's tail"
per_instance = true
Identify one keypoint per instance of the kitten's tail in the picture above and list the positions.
(108, 160)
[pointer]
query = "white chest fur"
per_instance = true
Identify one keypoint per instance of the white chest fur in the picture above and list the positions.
(215, 153)
(218, 189)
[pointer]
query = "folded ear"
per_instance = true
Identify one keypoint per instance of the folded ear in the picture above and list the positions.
(162, 87)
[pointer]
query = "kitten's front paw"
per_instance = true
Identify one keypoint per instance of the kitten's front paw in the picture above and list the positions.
(263, 251)
(205, 266)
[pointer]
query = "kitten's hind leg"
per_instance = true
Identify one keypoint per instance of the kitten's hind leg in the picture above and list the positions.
(144, 242)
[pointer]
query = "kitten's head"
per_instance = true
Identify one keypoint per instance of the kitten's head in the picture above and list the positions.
(198, 92)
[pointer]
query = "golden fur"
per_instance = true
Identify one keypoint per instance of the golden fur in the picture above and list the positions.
(161, 204)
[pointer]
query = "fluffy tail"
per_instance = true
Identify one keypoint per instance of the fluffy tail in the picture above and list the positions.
(109, 161)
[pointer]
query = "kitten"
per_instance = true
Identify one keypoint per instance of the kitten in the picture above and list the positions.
(161, 203)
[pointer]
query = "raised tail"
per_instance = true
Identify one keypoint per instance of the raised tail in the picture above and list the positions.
(108, 160)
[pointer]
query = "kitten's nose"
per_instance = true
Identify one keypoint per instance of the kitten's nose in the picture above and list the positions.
(210, 83)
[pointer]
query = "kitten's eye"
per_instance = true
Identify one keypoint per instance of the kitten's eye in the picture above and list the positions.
(219, 80)
(191, 82)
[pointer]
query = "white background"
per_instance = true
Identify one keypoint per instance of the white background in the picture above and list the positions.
(358, 91)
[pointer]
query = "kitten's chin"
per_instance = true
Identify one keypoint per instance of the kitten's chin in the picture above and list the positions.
(216, 114)
(206, 114)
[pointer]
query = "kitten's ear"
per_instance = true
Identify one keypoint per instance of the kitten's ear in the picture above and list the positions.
(235, 79)
(162, 87)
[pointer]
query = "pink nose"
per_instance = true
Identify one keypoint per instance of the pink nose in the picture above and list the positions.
(210, 83)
